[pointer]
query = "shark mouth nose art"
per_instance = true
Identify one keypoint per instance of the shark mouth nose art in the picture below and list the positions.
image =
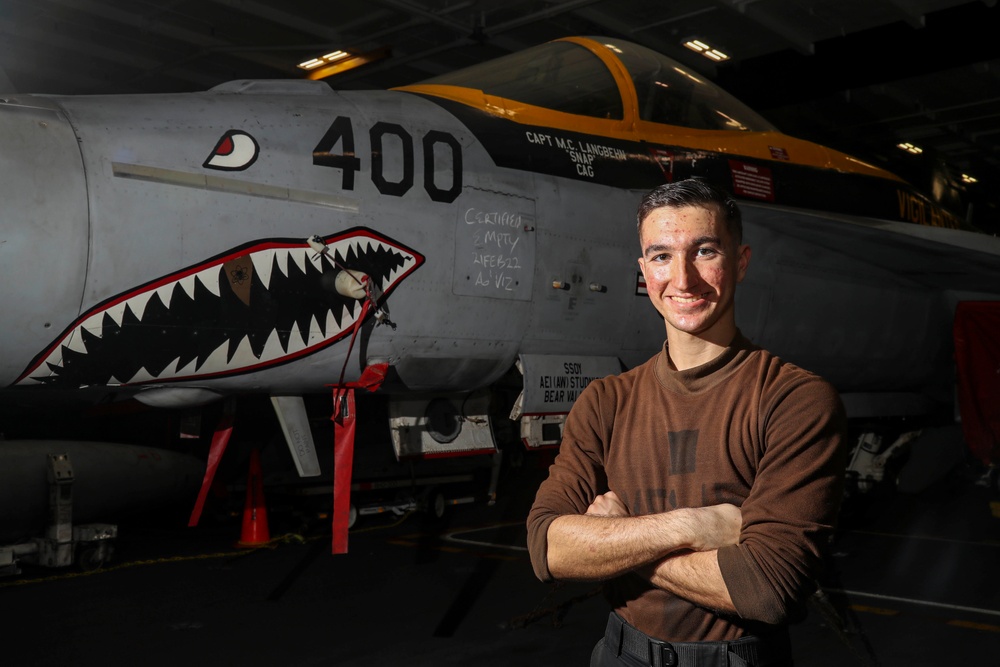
(259, 305)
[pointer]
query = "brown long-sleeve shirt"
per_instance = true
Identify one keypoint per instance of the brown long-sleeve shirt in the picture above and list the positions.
(745, 428)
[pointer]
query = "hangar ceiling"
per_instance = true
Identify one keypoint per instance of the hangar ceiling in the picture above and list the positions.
(858, 75)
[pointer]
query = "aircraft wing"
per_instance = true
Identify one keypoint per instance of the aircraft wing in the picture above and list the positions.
(934, 257)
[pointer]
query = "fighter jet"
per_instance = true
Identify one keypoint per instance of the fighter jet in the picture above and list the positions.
(284, 237)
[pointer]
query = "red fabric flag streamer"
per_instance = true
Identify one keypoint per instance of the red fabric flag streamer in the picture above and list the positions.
(343, 461)
(219, 441)
(344, 421)
(372, 377)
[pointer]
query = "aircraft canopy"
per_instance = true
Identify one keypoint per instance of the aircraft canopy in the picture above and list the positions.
(566, 76)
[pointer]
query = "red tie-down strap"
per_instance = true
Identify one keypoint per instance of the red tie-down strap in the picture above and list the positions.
(343, 461)
(219, 441)
(344, 418)
(344, 415)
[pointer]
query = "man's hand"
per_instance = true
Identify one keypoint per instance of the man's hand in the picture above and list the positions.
(718, 526)
(695, 575)
(608, 504)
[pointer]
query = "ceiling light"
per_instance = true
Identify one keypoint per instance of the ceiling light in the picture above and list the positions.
(968, 179)
(336, 62)
(318, 61)
(910, 148)
(706, 50)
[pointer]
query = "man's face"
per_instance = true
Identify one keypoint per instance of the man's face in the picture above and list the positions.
(692, 265)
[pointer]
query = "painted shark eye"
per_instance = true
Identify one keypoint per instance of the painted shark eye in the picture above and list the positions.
(235, 151)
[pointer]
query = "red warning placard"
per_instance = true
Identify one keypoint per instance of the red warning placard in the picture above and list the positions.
(751, 180)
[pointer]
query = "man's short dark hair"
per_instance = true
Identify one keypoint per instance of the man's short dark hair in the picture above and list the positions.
(693, 192)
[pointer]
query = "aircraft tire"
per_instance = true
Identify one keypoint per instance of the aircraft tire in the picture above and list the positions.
(92, 558)
(438, 505)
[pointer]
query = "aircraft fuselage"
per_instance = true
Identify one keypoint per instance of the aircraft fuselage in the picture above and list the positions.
(163, 241)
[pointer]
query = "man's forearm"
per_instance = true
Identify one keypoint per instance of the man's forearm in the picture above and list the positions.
(591, 548)
(694, 576)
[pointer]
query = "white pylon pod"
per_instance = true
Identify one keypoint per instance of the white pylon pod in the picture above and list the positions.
(351, 284)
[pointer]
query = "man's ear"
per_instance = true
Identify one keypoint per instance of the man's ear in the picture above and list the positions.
(743, 262)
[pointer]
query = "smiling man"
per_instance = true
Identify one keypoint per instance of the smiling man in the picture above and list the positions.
(702, 485)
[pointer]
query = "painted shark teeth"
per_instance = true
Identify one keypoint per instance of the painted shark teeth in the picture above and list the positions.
(152, 318)
(243, 354)
(137, 304)
(209, 279)
(116, 313)
(263, 262)
(281, 255)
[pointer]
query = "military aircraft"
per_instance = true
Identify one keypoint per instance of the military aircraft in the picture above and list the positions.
(282, 237)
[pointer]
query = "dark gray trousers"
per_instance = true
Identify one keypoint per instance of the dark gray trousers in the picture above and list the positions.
(625, 646)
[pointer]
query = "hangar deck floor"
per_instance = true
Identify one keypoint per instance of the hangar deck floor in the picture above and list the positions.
(915, 582)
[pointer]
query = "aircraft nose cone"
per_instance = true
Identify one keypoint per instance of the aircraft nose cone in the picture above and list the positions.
(43, 229)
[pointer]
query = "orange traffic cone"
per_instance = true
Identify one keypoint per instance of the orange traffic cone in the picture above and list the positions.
(255, 531)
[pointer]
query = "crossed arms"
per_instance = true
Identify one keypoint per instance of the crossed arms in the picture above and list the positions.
(675, 551)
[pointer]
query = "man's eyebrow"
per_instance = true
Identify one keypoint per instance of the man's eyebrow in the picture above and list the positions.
(702, 240)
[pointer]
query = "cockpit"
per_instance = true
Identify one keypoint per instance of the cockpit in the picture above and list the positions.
(568, 77)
